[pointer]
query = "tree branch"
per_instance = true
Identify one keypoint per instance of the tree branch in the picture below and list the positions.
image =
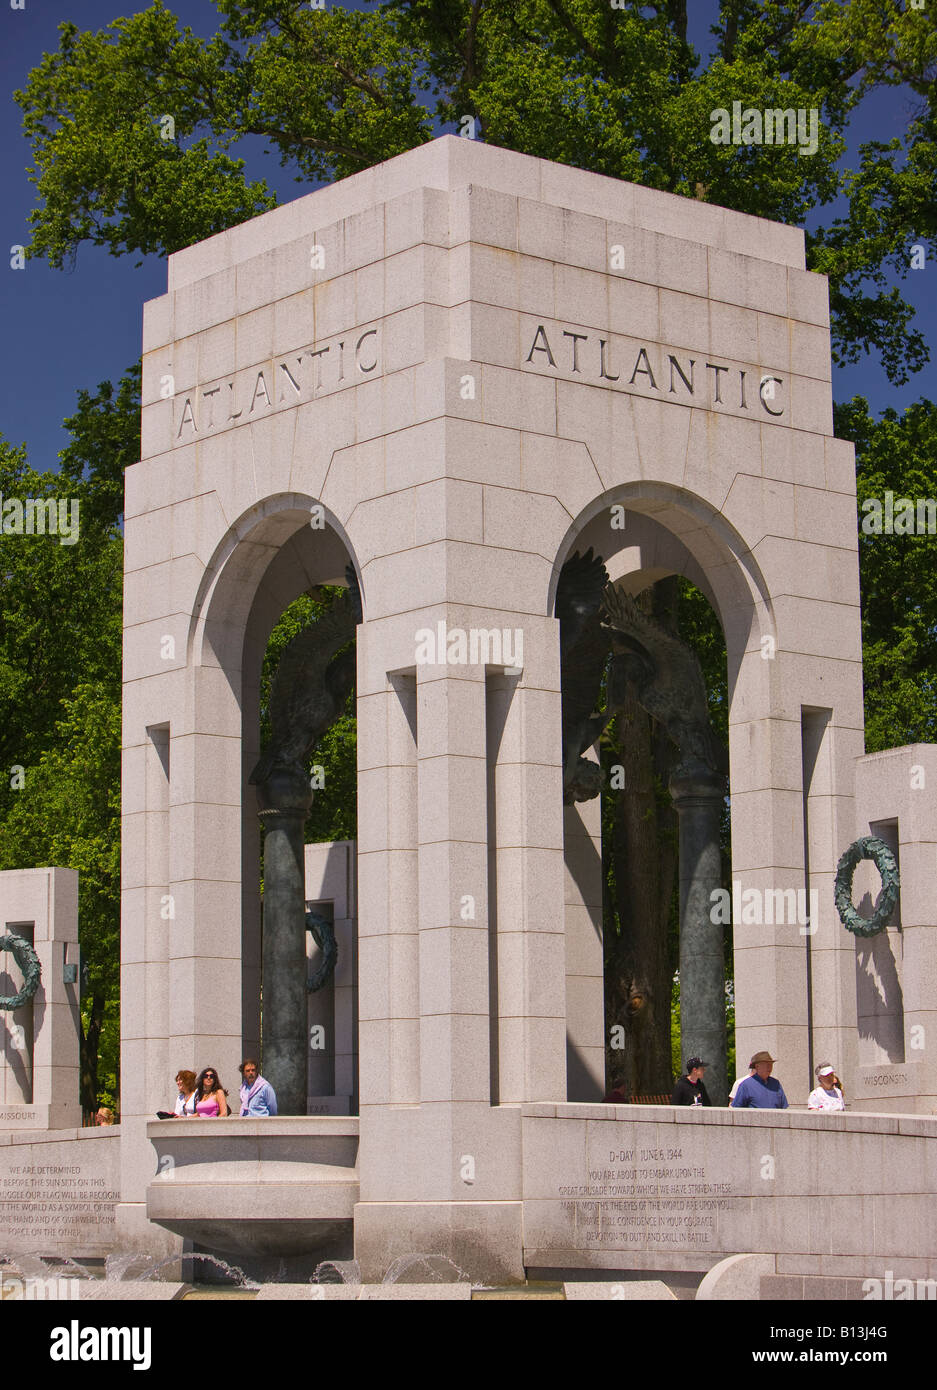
(580, 38)
(302, 39)
(730, 36)
(470, 69)
(311, 141)
(364, 84)
(676, 13)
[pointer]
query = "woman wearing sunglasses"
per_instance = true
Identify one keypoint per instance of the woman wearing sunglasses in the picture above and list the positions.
(210, 1096)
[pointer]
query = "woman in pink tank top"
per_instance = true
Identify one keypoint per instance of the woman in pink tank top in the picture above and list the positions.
(210, 1096)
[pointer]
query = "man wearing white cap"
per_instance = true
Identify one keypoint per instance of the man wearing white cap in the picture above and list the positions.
(827, 1095)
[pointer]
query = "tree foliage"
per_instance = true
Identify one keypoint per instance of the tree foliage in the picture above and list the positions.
(60, 645)
(619, 91)
(68, 815)
(896, 453)
(334, 807)
(105, 440)
(60, 615)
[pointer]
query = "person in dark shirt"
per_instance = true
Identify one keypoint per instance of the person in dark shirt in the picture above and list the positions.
(690, 1089)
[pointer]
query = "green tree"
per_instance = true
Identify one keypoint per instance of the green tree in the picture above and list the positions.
(60, 643)
(68, 815)
(130, 126)
(334, 807)
(60, 619)
(105, 440)
(897, 576)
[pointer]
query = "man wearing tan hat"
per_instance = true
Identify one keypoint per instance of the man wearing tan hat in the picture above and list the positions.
(761, 1091)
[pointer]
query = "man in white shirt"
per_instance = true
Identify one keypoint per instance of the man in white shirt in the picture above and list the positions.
(738, 1082)
(827, 1095)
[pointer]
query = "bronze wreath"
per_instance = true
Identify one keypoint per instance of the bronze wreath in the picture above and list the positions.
(869, 847)
(28, 962)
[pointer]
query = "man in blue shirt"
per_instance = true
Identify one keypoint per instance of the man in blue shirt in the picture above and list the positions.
(257, 1095)
(761, 1091)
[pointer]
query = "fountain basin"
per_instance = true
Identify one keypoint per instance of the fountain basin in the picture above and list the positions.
(274, 1186)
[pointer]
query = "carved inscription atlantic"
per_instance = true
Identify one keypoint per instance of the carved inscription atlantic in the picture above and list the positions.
(603, 358)
(345, 360)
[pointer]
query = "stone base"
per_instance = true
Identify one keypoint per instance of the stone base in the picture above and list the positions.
(579, 1262)
(272, 1188)
(129, 1291)
(276, 1239)
(136, 1234)
(483, 1240)
(267, 1270)
(59, 1191)
(636, 1290)
(751, 1278)
(633, 1187)
(737, 1278)
(364, 1293)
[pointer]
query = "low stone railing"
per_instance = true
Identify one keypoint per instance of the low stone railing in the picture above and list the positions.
(655, 1187)
(248, 1186)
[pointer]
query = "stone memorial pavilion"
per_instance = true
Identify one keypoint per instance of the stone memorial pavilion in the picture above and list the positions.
(451, 373)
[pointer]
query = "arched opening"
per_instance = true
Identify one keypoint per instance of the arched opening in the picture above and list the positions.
(691, 581)
(280, 570)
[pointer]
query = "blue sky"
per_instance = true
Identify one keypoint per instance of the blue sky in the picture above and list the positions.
(66, 329)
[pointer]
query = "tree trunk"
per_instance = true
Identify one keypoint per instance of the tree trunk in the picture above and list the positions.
(89, 1054)
(641, 858)
(638, 974)
(639, 969)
